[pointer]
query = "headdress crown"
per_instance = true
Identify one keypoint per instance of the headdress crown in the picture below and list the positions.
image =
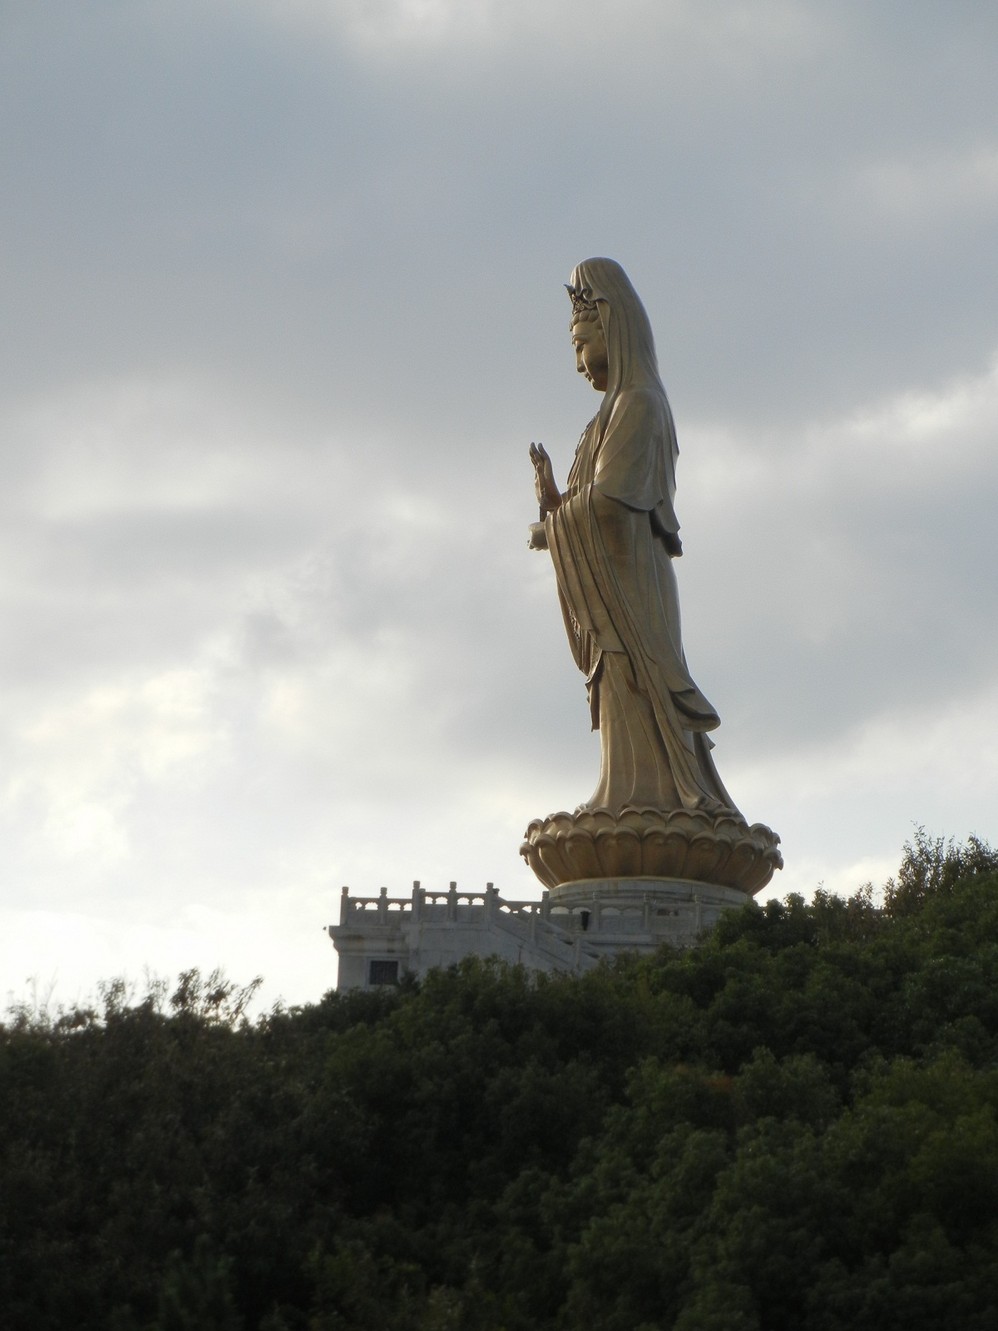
(582, 301)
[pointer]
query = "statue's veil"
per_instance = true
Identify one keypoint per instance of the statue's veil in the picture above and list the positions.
(630, 345)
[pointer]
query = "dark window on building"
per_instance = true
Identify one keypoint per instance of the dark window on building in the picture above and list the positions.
(383, 972)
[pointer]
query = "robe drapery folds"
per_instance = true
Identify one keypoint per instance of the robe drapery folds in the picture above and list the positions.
(612, 541)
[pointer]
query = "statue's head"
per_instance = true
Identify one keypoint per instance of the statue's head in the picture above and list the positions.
(591, 357)
(610, 328)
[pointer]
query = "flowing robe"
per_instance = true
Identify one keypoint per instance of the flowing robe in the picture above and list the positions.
(612, 542)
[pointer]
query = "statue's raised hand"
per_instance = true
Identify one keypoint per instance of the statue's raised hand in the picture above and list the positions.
(548, 494)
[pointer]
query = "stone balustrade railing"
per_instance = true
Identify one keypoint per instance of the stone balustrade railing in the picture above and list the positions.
(430, 904)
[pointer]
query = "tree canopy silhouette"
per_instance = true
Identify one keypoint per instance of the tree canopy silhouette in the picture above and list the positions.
(792, 1125)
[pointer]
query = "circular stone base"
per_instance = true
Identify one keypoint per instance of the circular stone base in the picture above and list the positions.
(717, 848)
(610, 916)
(622, 893)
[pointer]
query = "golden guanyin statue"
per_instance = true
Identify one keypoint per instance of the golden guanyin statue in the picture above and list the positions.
(659, 808)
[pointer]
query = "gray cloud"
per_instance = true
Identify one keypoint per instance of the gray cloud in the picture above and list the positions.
(284, 283)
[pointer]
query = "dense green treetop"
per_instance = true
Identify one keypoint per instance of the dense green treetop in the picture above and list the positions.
(793, 1125)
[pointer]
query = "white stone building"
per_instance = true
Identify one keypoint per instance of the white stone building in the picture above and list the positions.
(571, 928)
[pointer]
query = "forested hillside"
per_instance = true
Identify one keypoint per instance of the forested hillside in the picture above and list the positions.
(790, 1128)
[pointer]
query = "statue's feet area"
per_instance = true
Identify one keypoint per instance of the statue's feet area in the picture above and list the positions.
(705, 847)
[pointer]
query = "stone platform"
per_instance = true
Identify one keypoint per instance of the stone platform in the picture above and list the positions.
(639, 914)
(573, 927)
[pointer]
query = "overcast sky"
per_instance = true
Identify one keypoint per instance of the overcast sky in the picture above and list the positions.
(285, 308)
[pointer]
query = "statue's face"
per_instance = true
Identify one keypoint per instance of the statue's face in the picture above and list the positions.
(590, 353)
